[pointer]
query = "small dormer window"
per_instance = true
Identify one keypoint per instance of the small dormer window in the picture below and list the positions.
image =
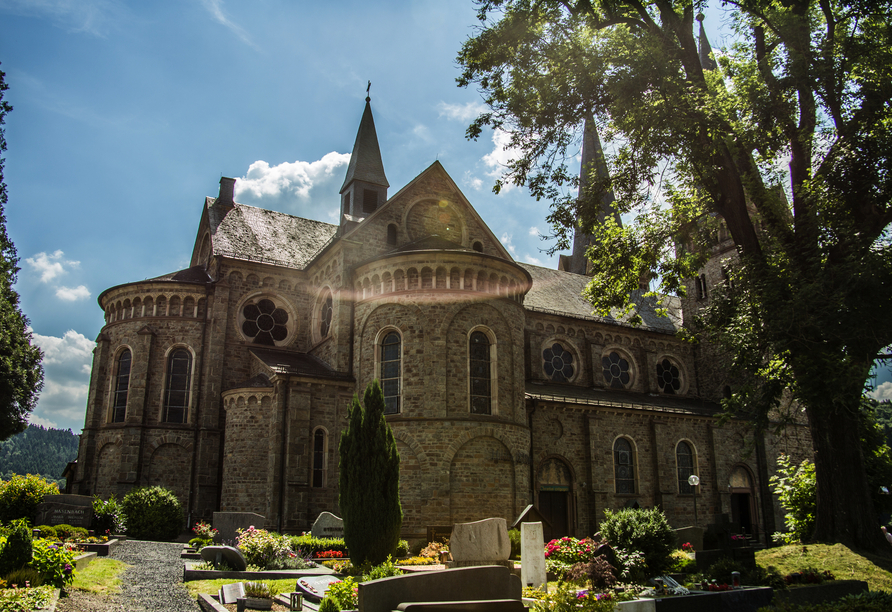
(369, 201)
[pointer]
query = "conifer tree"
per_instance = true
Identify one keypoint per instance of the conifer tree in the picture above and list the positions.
(21, 373)
(369, 480)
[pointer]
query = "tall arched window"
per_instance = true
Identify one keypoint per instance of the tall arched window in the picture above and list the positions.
(391, 234)
(391, 370)
(319, 458)
(684, 459)
(624, 466)
(176, 393)
(122, 386)
(481, 374)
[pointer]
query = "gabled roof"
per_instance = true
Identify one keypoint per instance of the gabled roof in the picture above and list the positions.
(255, 234)
(365, 162)
(302, 364)
(560, 293)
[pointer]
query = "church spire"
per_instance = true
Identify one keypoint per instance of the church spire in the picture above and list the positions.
(707, 61)
(365, 186)
(593, 162)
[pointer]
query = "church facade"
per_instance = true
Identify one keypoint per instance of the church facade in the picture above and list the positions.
(229, 382)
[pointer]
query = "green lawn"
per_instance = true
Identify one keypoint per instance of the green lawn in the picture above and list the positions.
(102, 575)
(842, 561)
(211, 587)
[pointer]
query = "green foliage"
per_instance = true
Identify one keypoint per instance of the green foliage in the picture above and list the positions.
(402, 549)
(54, 561)
(641, 530)
(565, 599)
(47, 532)
(263, 548)
(514, 537)
(681, 563)
(563, 553)
(108, 518)
(152, 513)
(877, 455)
(20, 496)
(871, 601)
(38, 450)
(764, 576)
(24, 576)
(779, 149)
(385, 569)
(795, 487)
(345, 594)
(21, 373)
(16, 600)
(260, 590)
(310, 546)
(369, 480)
(329, 605)
(598, 573)
(17, 550)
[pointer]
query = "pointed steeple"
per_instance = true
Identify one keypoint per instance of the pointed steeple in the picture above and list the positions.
(706, 62)
(365, 186)
(592, 162)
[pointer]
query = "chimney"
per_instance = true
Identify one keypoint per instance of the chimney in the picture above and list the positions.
(227, 193)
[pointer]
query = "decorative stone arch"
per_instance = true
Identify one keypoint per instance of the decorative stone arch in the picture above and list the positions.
(483, 476)
(610, 370)
(453, 228)
(554, 486)
(323, 314)
(169, 465)
(108, 465)
(409, 440)
(170, 438)
(482, 431)
(742, 499)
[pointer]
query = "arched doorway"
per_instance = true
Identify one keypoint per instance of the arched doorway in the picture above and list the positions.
(553, 483)
(743, 501)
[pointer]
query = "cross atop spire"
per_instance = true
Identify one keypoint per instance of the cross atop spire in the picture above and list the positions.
(365, 186)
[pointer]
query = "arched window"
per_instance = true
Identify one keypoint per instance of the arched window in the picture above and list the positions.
(477, 246)
(319, 458)
(481, 374)
(391, 234)
(624, 466)
(325, 317)
(391, 371)
(684, 459)
(701, 287)
(122, 386)
(176, 393)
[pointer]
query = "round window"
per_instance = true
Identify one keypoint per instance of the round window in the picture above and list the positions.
(616, 370)
(558, 363)
(668, 377)
(264, 322)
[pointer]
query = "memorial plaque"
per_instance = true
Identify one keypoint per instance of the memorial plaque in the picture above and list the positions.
(315, 587)
(230, 593)
(227, 524)
(74, 510)
(328, 526)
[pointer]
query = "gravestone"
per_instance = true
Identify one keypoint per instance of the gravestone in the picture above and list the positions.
(532, 555)
(480, 543)
(233, 557)
(315, 587)
(694, 535)
(227, 524)
(74, 510)
(231, 593)
(328, 526)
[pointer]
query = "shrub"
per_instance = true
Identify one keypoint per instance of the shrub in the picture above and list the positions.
(17, 551)
(20, 496)
(433, 550)
(565, 599)
(47, 532)
(644, 531)
(514, 537)
(761, 576)
(108, 518)
(402, 549)
(152, 513)
(598, 573)
(369, 480)
(681, 563)
(24, 577)
(382, 570)
(308, 545)
(54, 561)
(345, 594)
(721, 570)
(260, 590)
(795, 486)
(328, 605)
(563, 553)
(262, 548)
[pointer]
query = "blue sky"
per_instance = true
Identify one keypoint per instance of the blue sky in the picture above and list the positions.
(126, 115)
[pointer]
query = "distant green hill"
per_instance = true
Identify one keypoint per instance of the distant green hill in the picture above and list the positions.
(38, 450)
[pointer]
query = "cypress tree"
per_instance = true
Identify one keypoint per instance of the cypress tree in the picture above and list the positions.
(369, 492)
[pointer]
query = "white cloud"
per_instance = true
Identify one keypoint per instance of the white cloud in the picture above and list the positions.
(66, 364)
(72, 294)
(290, 185)
(215, 7)
(469, 180)
(34, 419)
(461, 112)
(533, 260)
(422, 132)
(92, 17)
(882, 392)
(534, 231)
(506, 242)
(50, 266)
(498, 159)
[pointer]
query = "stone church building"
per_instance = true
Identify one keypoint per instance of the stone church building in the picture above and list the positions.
(229, 382)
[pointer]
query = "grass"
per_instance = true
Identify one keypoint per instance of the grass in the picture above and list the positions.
(102, 576)
(842, 561)
(211, 587)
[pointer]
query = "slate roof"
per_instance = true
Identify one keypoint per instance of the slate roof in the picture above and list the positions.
(612, 398)
(195, 274)
(298, 363)
(365, 162)
(260, 381)
(560, 293)
(256, 234)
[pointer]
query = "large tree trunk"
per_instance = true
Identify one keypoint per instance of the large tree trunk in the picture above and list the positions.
(845, 511)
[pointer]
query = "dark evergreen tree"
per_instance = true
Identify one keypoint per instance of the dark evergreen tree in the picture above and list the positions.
(370, 481)
(21, 374)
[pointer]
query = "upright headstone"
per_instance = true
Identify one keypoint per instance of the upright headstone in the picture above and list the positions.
(480, 543)
(231, 593)
(694, 535)
(532, 555)
(328, 525)
(74, 510)
(232, 557)
(227, 524)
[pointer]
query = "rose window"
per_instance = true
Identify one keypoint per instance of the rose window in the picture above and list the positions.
(668, 377)
(264, 322)
(558, 363)
(325, 323)
(616, 371)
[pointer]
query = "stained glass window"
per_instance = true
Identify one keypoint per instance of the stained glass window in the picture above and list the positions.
(122, 386)
(684, 458)
(176, 396)
(668, 377)
(391, 371)
(616, 371)
(481, 390)
(558, 363)
(264, 322)
(624, 467)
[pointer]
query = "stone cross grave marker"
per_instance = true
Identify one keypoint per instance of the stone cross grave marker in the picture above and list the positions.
(231, 593)
(328, 526)
(532, 555)
(233, 557)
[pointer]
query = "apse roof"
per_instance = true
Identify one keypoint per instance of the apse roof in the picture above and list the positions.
(614, 398)
(297, 363)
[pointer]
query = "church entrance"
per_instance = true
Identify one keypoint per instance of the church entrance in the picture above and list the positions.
(555, 504)
(743, 501)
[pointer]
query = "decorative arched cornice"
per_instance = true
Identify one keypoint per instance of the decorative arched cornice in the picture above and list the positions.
(479, 432)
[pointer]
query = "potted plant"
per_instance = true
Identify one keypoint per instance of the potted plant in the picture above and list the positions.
(258, 596)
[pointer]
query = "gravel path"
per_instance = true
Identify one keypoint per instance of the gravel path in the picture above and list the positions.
(153, 582)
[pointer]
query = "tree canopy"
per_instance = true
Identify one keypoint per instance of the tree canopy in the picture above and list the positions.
(21, 373)
(783, 140)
